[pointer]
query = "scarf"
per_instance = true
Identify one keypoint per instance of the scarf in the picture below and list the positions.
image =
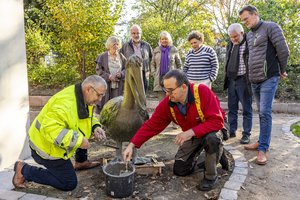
(164, 60)
(234, 61)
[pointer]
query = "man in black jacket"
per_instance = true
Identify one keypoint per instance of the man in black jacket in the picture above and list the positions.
(140, 48)
(237, 82)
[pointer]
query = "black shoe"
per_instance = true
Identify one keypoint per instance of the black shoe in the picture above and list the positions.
(206, 184)
(245, 139)
(232, 135)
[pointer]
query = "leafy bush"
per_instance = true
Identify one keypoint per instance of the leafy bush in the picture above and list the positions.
(37, 45)
(53, 76)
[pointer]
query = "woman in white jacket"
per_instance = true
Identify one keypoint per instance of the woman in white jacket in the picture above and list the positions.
(165, 58)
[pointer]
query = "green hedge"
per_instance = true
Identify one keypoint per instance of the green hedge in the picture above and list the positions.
(53, 76)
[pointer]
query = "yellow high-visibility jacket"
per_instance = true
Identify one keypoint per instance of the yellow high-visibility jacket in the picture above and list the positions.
(62, 124)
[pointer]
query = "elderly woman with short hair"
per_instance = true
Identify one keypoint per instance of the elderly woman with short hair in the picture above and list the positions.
(165, 58)
(110, 65)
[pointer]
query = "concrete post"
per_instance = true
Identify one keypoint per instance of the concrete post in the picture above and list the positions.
(14, 104)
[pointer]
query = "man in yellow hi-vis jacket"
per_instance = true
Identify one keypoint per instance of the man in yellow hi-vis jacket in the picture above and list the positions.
(62, 128)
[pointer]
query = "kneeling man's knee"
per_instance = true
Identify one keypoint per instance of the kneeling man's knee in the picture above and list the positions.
(70, 185)
(182, 168)
(213, 144)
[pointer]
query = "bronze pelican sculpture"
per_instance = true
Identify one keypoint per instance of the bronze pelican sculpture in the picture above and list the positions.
(122, 116)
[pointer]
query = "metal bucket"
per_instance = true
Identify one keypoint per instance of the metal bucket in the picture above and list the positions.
(119, 181)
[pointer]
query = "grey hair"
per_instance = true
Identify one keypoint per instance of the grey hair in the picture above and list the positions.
(136, 26)
(167, 35)
(95, 81)
(112, 40)
(236, 27)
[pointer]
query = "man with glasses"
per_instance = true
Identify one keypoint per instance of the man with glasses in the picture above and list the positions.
(62, 129)
(180, 107)
(268, 58)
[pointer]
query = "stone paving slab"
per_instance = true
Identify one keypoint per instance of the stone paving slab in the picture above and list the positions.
(6, 177)
(33, 197)
(11, 195)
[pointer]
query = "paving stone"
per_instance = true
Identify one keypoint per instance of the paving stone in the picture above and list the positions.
(6, 177)
(33, 197)
(229, 147)
(281, 107)
(10, 195)
(160, 198)
(293, 108)
(235, 152)
(240, 159)
(286, 129)
(237, 177)
(227, 194)
(51, 198)
(233, 185)
(240, 170)
(241, 164)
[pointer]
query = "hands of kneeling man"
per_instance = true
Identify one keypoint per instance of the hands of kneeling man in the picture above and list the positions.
(99, 134)
(184, 136)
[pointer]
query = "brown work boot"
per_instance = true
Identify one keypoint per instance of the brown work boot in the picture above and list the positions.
(18, 179)
(253, 146)
(86, 165)
(261, 158)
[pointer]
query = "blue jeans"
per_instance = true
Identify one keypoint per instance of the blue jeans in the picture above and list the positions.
(58, 173)
(238, 92)
(264, 94)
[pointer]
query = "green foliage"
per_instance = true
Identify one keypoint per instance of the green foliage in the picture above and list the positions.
(85, 25)
(53, 76)
(218, 84)
(224, 14)
(176, 17)
(75, 30)
(289, 89)
(295, 128)
(286, 14)
(37, 45)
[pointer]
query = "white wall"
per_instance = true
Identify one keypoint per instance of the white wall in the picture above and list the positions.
(14, 105)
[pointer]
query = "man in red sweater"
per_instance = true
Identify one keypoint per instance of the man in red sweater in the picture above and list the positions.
(179, 106)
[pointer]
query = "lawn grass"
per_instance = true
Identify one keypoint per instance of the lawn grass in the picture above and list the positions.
(295, 128)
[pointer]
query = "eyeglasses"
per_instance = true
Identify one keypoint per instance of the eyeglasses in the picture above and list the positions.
(170, 91)
(98, 94)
